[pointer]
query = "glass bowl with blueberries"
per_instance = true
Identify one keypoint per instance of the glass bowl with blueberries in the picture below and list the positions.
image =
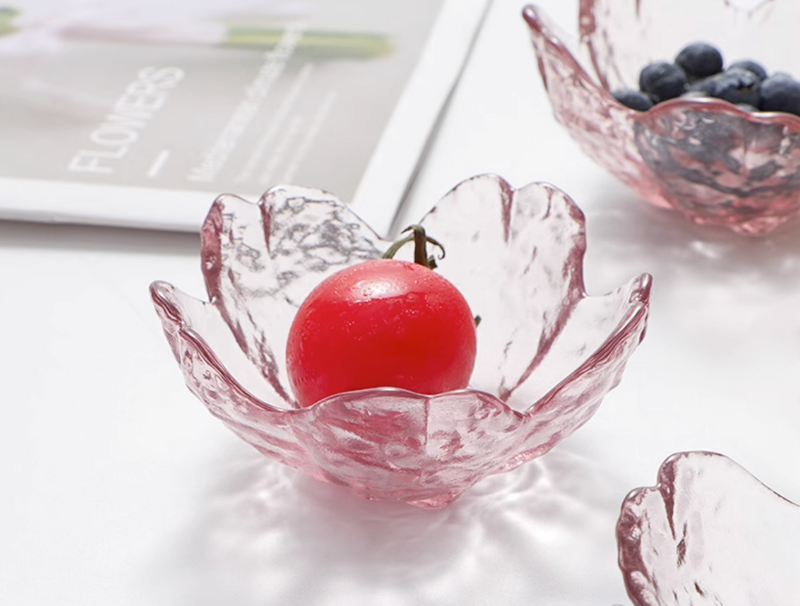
(695, 107)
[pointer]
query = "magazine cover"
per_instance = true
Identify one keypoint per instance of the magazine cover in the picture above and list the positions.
(141, 113)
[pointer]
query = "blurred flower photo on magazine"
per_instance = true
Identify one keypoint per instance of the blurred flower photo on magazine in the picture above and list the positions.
(142, 113)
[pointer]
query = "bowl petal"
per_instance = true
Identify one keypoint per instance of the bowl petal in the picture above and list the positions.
(722, 165)
(602, 127)
(206, 373)
(392, 444)
(517, 255)
(709, 533)
(260, 261)
(571, 403)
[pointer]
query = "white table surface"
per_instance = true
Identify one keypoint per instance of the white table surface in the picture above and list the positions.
(118, 487)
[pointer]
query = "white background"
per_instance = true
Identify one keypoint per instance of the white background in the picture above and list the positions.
(119, 488)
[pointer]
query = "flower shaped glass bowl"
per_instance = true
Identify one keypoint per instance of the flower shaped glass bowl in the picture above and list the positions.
(712, 161)
(547, 352)
(709, 534)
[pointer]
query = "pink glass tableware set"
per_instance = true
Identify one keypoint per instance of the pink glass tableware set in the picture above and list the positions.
(547, 351)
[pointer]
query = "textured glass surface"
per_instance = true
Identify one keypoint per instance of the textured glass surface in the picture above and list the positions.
(713, 162)
(709, 533)
(547, 352)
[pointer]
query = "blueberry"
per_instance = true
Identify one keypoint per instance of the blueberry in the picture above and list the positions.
(780, 93)
(699, 60)
(700, 87)
(635, 99)
(662, 80)
(751, 66)
(737, 86)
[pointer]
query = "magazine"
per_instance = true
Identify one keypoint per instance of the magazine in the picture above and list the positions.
(141, 114)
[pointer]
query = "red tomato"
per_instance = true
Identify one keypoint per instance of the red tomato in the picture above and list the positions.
(381, 323)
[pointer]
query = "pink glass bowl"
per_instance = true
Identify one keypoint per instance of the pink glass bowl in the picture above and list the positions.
(547, 352)
(709, 534)
(711, 161)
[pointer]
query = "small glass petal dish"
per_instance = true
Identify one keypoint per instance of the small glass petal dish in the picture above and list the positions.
(709, 534)
(547, 352)
(714, 162)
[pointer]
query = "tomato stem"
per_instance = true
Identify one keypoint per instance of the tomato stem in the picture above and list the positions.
(420, 239)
